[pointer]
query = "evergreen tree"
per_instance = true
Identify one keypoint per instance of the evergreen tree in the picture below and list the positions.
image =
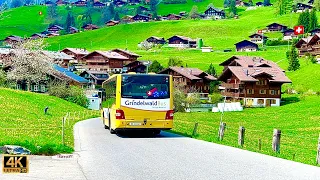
(313, 23)
(52, 11)
(116, 16)
(174, 62)
(69, 21)
(304, 19)
(211, 70)
(292, 56)
(111, 9)
(138, 10)
(266, 2)
(105, 15)
(194, 13)
(250, 3)
(226, 3)
(153, 6)
(155, 67)
(233, 8)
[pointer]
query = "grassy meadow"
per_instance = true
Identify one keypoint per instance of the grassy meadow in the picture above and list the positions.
(23, 122)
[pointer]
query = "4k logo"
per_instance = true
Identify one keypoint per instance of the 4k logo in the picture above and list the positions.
(15, 163)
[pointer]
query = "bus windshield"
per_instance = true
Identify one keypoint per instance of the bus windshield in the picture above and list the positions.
(145, 86)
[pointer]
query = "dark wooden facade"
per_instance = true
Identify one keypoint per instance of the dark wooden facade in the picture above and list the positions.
(300, 7)
(129, 55)
(136, 66)
(141, 18)
(181, 41)
(276, 27)
(95, 77)
(55, 29)
(246, 45)
(310, 45)
(173, 17)
(215, 12)
(80, 3)
(89, 27)
(156, 40)
(73, 30)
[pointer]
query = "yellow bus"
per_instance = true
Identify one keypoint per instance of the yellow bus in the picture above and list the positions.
(141, 102)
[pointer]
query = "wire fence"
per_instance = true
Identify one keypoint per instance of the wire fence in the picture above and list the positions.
(292, 144)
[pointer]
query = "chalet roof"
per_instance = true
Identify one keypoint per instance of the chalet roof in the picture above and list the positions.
(74, 28)
(304, 5)
(126, 52)
(157, 38)
(190, 73)
(276, 24)
(315, 30)
(142, 15)
(14, 38)
(39, 34)
(134, 62)
(94, 73)
(245, 42)
(59, 27)
(303, 41)
(90, 26)
(113, 21)
(57, 55)
(183, 38)
(314, 39)
(98, 3)
(173, 15)
(247, 68)
(213, 8)
(77, 51)
(288, 30)
(79, 1)
(260, 35)
(70, 75)
(108, 54)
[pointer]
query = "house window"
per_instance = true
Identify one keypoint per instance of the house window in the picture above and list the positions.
(250, 91)
(273, 101)
(262, 82)
(262, 91)
(43, 88)
(18, 86)
(260, 101)
(36, 88)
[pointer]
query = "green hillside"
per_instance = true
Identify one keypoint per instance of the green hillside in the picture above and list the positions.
(23, 112)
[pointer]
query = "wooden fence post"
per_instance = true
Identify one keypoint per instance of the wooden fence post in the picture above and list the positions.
(318, 151)
(241, 136)
(222, 127)
(62, 132)
(195, 130)
(276, 140)
(259, 144)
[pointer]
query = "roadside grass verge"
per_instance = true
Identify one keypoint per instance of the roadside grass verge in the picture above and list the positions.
(298, 120)
(23, 122)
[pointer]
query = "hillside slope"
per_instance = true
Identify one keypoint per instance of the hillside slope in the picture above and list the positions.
(23, 112)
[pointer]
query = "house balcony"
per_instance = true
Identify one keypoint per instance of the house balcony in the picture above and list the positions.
(230, 94)
(230, 86)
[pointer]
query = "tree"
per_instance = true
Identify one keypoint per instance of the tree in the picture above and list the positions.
(52, 11)
(233, 8)
(303, 20)
(250, 3)
(111, 9)
(292, 56)
(174, 62)
(105, 15)
(266, 2)
(29, 63)
(284, 6)
(145, 45)
(211, 70)
(226, 3)
(69, 21)
(116, 16)
(90, 4)
(194, 13)
(153, 6)
(316, 5)
(313, 22)
(155, 67)
(3, 78)
(16, 3)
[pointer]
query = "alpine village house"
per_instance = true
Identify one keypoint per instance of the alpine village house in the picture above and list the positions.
(310, 45)
(255, 81)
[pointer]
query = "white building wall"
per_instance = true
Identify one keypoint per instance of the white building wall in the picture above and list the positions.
(179, 45)
(255, 102)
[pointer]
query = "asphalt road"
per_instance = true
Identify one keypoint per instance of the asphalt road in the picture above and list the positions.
(168, 156)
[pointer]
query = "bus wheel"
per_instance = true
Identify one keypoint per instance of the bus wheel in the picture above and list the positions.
(156, 132)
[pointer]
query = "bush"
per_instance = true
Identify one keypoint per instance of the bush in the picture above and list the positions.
(179, 99)
(174, 1)
(72, 94)
(3, 78)
(276, 42)
(215, 98)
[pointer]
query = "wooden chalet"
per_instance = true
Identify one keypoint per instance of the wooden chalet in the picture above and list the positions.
(99, 4)
(12, 39)
(313, 32)
(61, 2)
(215, 13)
(38, 36)
(112, 23)
(310, 45)
(156, 40)
(181, 42)
(60, 58)
(276, 27)
(301, 7)
(246, 46)
(289, 34)
(127, 19)
(258, 38)
(76, 53)
(80, 3)
(255, 81)
(191, 79)
(55, 29)
(173, 17)
(95, 77)
(49, 3)
(136, 66)
(105, 61)
(310, 2)
(128, 54)
(141, 18)
(134, 2)
(89, 27)
(73, 30)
